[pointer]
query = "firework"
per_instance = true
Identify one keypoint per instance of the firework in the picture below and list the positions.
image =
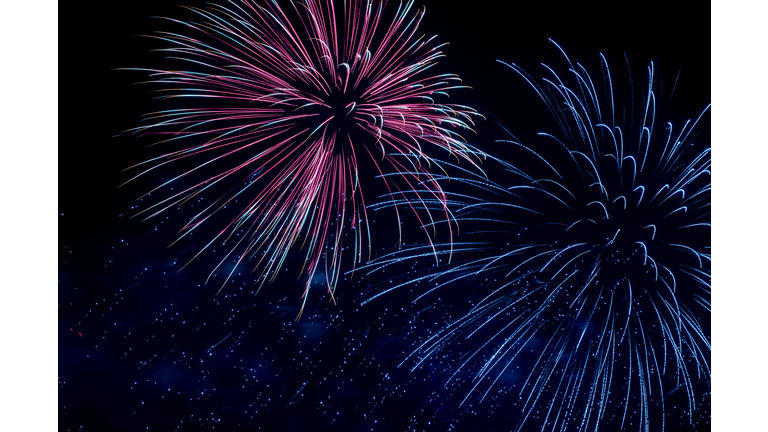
(285, 103)
(585, 281)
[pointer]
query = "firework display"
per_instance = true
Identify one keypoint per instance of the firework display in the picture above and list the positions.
(292, 215)
(585, 279)
(287, 107)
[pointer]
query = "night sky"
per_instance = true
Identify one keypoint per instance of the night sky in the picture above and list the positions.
(144, 346)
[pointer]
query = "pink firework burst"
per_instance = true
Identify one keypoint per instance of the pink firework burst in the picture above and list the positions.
(287, 102)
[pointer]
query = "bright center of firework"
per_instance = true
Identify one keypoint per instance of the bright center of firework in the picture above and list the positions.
(625, 238)
(342, 106)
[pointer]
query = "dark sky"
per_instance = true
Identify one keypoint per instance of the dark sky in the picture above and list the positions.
(145, 347)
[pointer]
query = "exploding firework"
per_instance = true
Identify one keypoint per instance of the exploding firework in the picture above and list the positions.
(584, 286)
(286, 103)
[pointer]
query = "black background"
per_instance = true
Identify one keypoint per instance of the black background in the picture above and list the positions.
(102, 252)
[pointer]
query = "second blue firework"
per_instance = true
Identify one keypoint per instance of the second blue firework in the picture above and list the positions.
(580, 289)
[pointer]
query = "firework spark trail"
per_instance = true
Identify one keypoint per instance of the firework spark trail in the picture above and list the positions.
(291, 97)
(605, 274)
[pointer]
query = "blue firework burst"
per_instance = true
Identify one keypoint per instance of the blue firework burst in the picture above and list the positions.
(584, 281)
